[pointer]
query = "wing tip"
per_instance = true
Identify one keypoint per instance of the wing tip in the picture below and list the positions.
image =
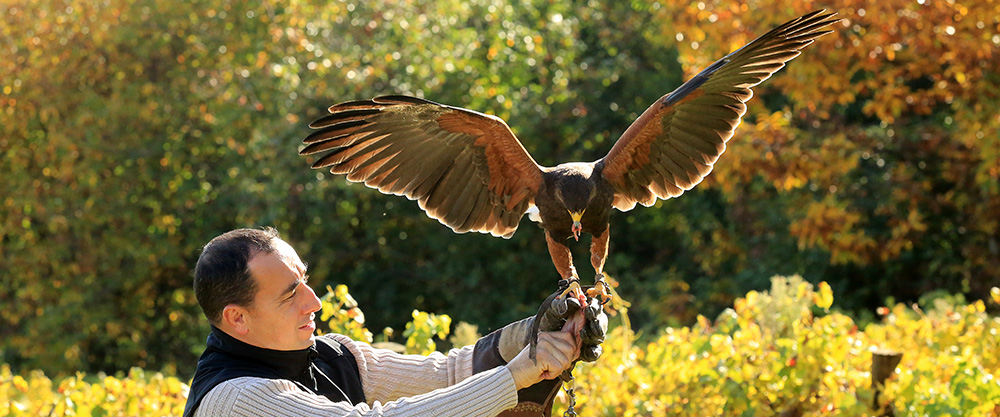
(817, 15)
(347, 104)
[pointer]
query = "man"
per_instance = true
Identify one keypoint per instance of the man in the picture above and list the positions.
(263, 359)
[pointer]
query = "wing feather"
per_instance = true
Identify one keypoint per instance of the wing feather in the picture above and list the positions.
(389, 171)
(479, 215)
(435, 172)
(463, 204)
(442, 200)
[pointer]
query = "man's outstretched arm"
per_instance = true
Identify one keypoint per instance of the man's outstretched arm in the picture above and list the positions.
(484, 394)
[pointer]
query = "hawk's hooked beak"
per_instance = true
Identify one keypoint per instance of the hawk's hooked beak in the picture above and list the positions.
(577, 227)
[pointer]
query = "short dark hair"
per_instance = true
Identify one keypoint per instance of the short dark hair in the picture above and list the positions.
(222, 275)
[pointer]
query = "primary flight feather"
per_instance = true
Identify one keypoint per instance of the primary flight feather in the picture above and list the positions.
(468, 170)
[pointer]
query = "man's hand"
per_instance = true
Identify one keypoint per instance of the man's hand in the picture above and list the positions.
(555, 353)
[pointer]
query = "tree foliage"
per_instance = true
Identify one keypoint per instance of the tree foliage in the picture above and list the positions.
(132, 132)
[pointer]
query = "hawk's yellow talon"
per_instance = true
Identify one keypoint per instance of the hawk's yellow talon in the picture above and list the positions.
(600, 291)
(573, 289)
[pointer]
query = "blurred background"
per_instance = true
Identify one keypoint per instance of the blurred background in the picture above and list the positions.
(132, 132)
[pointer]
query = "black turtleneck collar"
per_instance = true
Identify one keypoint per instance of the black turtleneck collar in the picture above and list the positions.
(287, 364)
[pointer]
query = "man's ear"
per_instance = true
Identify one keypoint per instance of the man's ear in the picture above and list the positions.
(235, 317)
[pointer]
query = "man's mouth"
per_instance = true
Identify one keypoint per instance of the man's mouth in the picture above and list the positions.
(311, 325)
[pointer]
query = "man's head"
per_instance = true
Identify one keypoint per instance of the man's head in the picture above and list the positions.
(252, 285)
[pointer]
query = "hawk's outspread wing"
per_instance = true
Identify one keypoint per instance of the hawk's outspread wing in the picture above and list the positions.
(673, 145)
(466, 169)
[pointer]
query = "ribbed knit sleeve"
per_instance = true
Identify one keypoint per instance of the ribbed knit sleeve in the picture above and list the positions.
(387, 375)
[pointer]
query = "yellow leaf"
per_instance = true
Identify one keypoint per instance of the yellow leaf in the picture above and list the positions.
(20, 383)
(995, 292)
(341, 291)
(824, 298)
(704, 322)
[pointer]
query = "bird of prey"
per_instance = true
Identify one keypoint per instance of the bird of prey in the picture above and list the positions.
(468, 170)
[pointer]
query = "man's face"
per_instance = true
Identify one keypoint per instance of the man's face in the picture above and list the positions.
(281, 317)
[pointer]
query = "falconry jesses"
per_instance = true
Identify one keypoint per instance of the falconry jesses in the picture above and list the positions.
(467, 170)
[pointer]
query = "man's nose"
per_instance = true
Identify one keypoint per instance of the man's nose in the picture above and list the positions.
(313, 303)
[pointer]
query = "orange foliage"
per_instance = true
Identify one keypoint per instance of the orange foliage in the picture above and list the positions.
(901, 104)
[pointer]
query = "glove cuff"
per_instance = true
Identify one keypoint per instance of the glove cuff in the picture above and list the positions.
(502, 345)
(514, 337)
(486, 354)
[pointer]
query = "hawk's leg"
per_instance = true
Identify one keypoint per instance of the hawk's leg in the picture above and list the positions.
(598, 254)
(562, 258)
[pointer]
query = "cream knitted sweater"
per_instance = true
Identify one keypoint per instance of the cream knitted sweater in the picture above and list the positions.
(394, 385)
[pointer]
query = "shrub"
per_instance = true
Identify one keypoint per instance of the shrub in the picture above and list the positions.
(781, 352)
(777, 352)
(139, 393)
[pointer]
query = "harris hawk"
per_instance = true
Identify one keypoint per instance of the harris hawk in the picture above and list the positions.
(468, 170)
